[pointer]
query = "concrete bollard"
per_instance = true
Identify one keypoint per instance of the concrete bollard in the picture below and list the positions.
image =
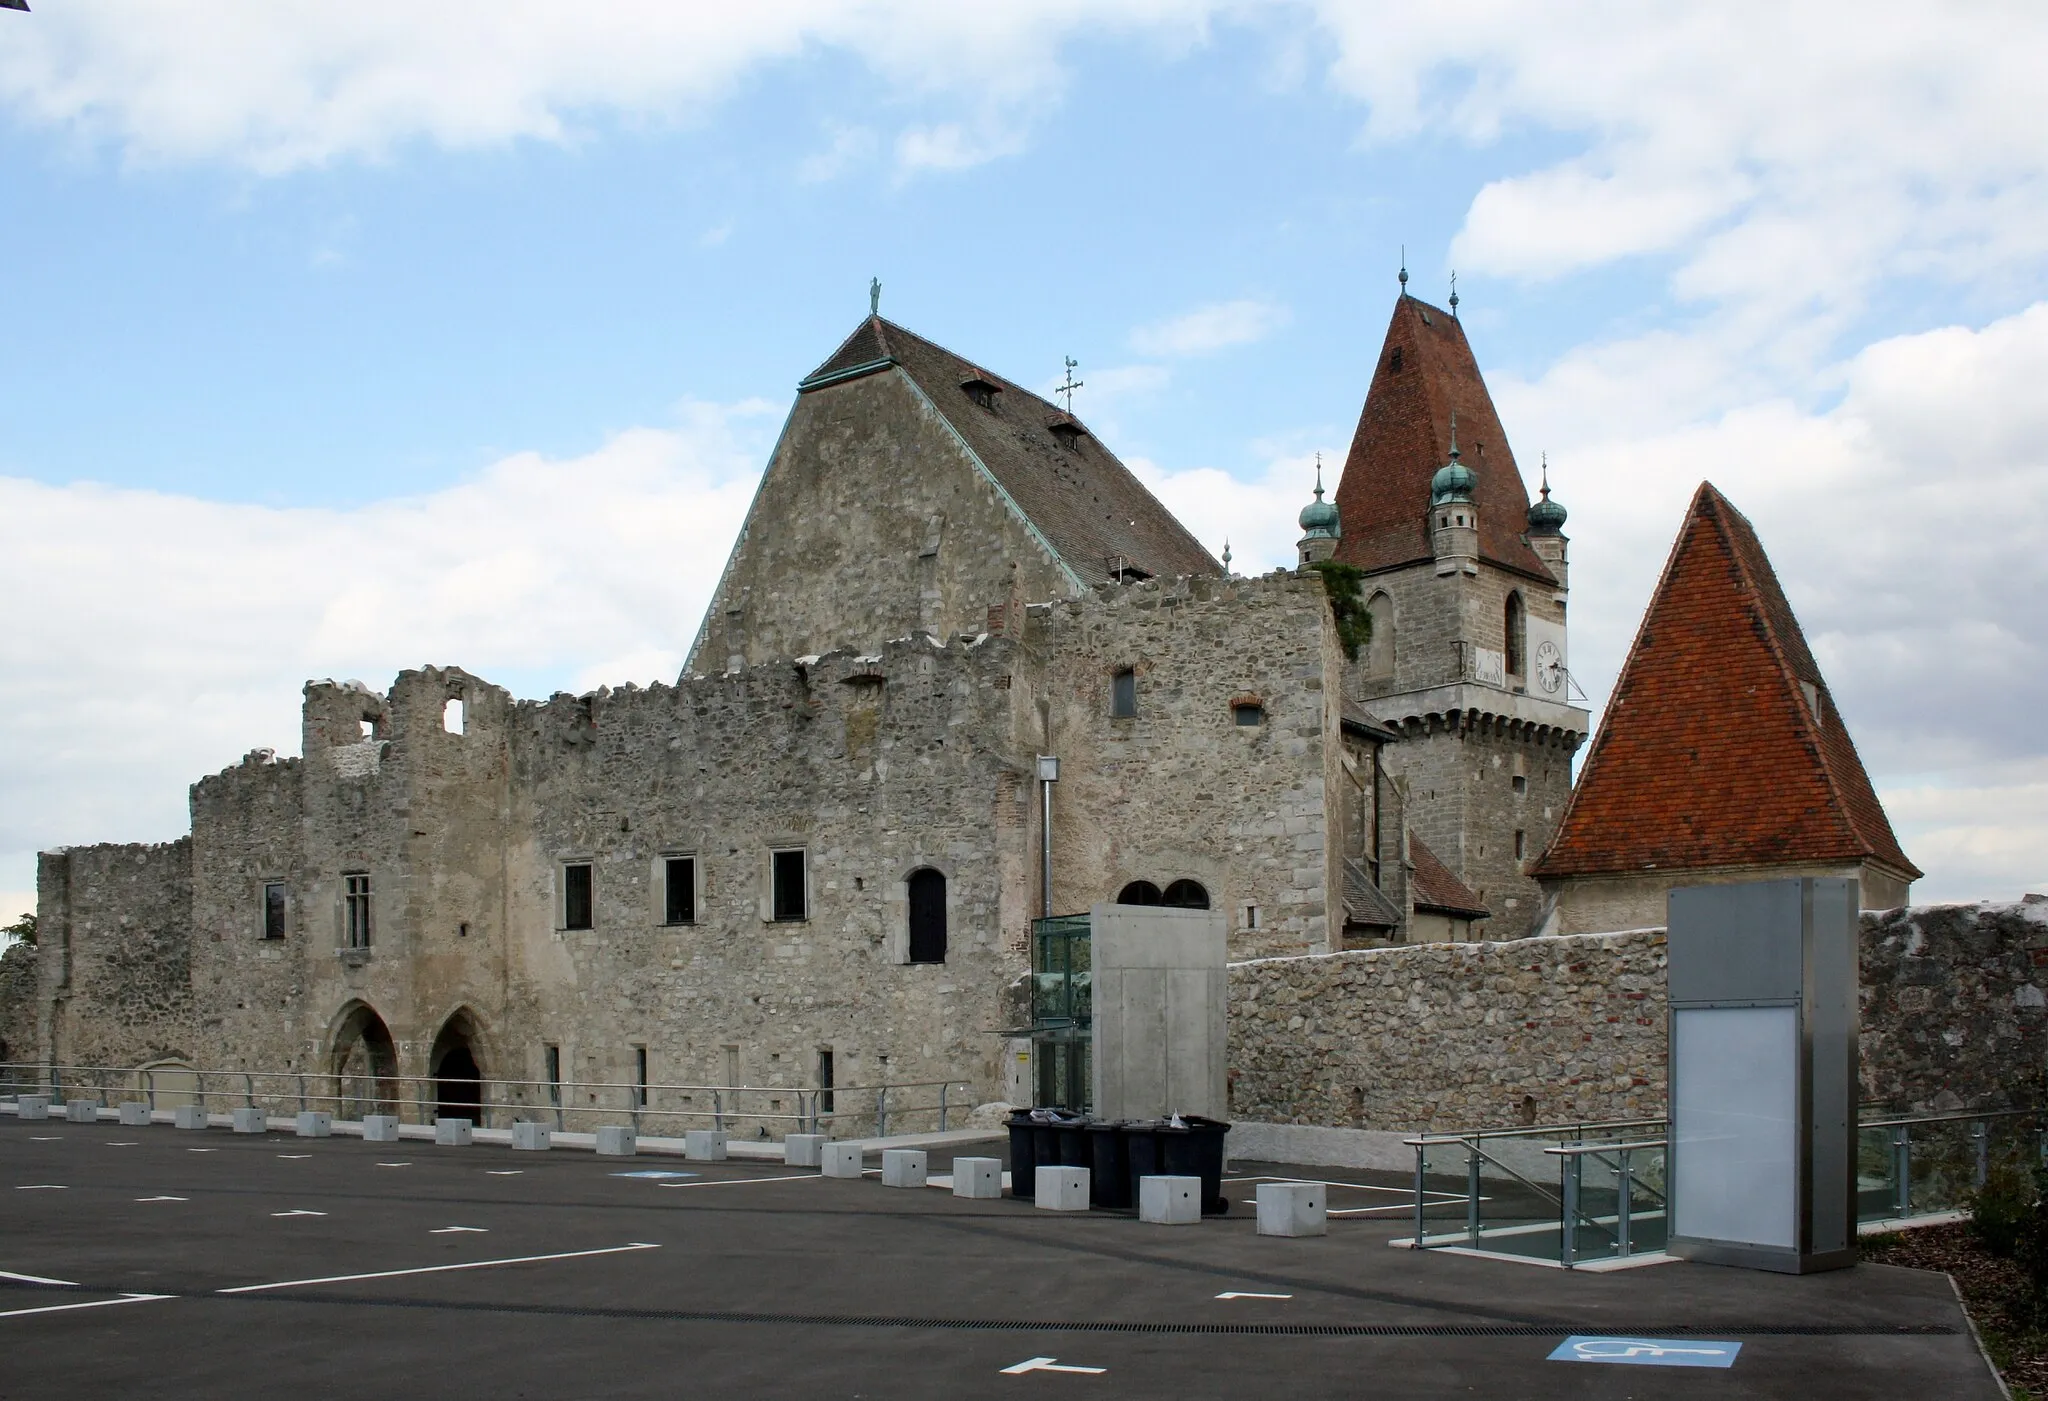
(903, 1167)
(380, 1128)
(841, 1160)
(251, 1120)
(1062, 1188)
(1293, 1209)
(33, 1106)
(803, 1149)
(704, 1145)
(135, 1113)
(981, 1178)
(617, 1141)
(189, 1116)
(530, 1137)
(452, 1133)
(1170, 1201)
(315, 1123)
(82, 1111)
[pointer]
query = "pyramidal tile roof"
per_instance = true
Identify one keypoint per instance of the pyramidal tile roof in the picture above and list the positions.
(1435, 888)
(1721, 745)
(1094, 513)
(1427, 372)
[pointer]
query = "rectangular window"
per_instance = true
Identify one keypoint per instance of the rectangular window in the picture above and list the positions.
(273, 909)
(1251, 916)
(577, 895)
(1519, 784)
(552, 1056)
(357, 924)
(680, 890)
(1521, 842)
(824, 1082)
(791, 902)
(1123, 695)
(639, 1077)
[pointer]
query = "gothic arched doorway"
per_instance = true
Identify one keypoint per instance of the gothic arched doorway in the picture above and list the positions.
(365, 1065)
(458, 1077)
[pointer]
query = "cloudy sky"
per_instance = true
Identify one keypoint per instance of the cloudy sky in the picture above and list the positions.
(343, 338)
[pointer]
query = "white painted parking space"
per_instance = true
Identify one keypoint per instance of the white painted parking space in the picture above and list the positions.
(37, 1279)
(89, 1304)
(458, 1230)
(749, 1181)
(439, 1269)
(299, 1212)
(163, 1199)
(42, 1187)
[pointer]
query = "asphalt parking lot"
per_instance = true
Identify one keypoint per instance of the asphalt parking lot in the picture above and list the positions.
(150, 1261)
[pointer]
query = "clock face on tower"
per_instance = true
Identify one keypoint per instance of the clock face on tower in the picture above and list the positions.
(1549, 666)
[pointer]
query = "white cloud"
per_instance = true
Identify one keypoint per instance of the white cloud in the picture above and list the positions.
(1256, 516)
(1217, 326)
(850, 148)
(148, 639)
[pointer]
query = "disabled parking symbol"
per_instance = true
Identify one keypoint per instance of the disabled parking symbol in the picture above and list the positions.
(1648, 1352)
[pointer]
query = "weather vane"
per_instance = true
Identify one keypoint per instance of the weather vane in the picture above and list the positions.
(874, 296)
(1071, 383)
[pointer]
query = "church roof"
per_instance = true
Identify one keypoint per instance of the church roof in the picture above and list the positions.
(1086, 504)
(1720, 746)
(1435, 888)
(1426, 372)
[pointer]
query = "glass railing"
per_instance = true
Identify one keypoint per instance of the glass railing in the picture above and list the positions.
(1914, 1166)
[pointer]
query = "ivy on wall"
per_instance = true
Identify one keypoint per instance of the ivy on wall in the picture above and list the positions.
(1344, 583)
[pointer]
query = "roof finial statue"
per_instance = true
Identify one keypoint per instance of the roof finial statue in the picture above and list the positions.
(1404, 269)
(1454, 291)
(1071, 384)
(874, 296)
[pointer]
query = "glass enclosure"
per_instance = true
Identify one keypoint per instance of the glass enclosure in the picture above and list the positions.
(1062, 1011)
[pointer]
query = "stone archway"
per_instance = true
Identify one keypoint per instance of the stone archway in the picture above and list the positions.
(457, 1070)
(364, 1064)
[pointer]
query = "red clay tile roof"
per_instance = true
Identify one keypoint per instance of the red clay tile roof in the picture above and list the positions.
(1080, 497)
(1435, 888)
(1710, 753)
(1404, 435)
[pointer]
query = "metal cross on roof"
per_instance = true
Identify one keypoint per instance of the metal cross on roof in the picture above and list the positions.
(1071, 384)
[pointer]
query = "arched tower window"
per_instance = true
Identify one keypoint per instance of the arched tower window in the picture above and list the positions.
(1379, 652)
(927, 916)
(1517, 631)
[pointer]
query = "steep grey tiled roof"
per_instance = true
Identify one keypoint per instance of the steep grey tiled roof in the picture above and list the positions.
(1364, 902)
(1081, 498)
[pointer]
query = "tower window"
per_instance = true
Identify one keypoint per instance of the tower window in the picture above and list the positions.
(452, 715)
(355, 909)
(791, 880)
(1248, 713)
(1519, 784)
(679, 890)
(927, 891)
(1515, 627)
(579, 890)
(273, 909)
(1521, 844)
(1123, 695)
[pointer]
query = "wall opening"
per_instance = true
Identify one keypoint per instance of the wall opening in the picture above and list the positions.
(1123, 695)
(458, 1075)
(1515, 627)
(579, 895)
(1186, 895)
(679, 890)
(357, 923)
(639, 1077)
(551, 1071)
(825, 1074)
(364, 1063)
(1247, 713)
(452, 715)
(273, 909)
(1138, 892)
(791, 900)
(927, 916)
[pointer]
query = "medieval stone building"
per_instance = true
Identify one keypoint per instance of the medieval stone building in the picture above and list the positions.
(814, 859)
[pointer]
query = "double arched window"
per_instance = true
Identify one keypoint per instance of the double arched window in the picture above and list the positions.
(1181, 895)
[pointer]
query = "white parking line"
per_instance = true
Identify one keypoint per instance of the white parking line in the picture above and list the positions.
(34, 1279)
(42, 1187)
(439, 1269)
(52, 1138)
(459, 1230)
(294, 1155)
(1240, 1294)
(394, 1165)
(300, 1212)
(121, 1143)
(503, 1172)
(94, 1304)
(745, 1181)
(163, 1199)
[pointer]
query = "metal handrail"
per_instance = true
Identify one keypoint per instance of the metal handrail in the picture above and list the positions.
(381, 1089)
(1531, 1131)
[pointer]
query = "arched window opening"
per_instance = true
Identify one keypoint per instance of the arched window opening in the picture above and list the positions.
(1186, 895)
(927, 916)
(451, 715)
(1379, 652)
(1139, 892)
(365, 1065)
(458, 1077)
(1517, 630)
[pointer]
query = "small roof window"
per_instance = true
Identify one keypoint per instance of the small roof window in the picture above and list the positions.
(981, 389)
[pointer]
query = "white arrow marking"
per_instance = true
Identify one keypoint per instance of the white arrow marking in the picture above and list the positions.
(95, 1304)
(453, 1230)
(300, 1212)
(163, 1199)
(439, 1269)
(1236, 1294)
(1046, 1364)
(35, 1279)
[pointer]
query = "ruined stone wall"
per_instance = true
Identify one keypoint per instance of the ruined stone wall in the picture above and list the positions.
(1181, 791)
(1443, 1036)
(114, 952)
(1450, 1036)
(18, 1039)
(852, 561)
(1954, 1012)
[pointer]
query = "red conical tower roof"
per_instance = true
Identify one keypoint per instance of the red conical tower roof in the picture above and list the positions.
(1426, 373)
(1720, 746)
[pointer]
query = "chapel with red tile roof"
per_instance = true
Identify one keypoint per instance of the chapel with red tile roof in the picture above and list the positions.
(1722, 756)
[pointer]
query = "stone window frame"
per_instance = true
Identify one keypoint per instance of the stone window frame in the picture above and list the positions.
(658, 884)
(899, 912)
(774, 850)
(264, 885)
(350, 932)
(561, 894)
(1246, 701)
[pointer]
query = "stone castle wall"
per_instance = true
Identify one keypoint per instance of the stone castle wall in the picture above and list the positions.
(114, 944)
(1574, 1027)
